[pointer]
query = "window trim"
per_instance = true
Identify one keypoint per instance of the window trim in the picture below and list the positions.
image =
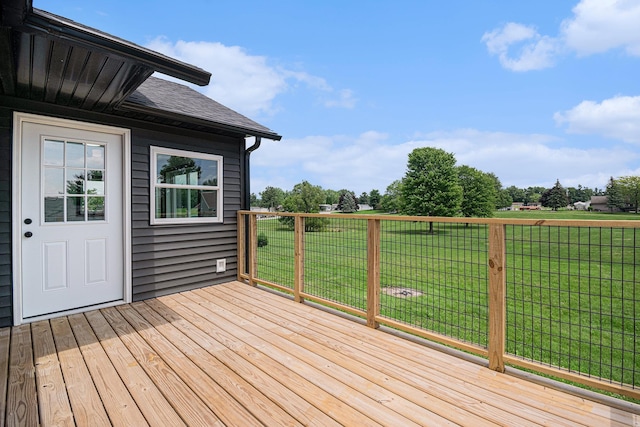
(153, 185)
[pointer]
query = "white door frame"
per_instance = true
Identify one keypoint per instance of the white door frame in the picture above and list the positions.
(16, 199)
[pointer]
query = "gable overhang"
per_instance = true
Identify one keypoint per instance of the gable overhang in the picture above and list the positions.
(51, 59)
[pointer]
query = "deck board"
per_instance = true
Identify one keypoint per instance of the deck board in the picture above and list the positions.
(236, 355)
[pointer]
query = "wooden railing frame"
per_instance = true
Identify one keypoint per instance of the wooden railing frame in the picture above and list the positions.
(495, 351)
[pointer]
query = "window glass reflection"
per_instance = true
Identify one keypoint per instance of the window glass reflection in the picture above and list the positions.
(75, 208)
(53, 153)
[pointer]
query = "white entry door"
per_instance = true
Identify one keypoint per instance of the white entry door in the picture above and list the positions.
(72, 244)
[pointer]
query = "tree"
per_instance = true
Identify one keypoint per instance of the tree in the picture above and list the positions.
(580, 194)
(533, 194)
(305, 198)
(374, 198)
(331, 197)
(272, 197)
(347, 202)
(615, 198)
(630, 190)
(430, 187)
(478, 192)
(253, 200)
(502, 197)
(555, 197)
(392, 200)
(517, 194)
(363, 199)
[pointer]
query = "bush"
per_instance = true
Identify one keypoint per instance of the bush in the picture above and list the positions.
(262, 240)
(310, 224)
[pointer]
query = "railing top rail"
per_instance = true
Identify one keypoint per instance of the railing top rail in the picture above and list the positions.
(463, 220)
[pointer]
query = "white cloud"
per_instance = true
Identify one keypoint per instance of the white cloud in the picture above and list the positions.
(533, 51)
(595, 27)
(345, 100)
(617, 118)
(246, 83)
(601, 25)
(371, 160)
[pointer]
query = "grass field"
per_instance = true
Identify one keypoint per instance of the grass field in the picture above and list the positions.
(573, 294)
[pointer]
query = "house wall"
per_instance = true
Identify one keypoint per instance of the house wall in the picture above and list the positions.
(172, 258)
(165, 258)
(5, 219)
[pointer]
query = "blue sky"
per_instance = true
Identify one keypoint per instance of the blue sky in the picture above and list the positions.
(531, 91)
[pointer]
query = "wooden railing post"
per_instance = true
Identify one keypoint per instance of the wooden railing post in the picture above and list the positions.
(242, 245)
(298, 285)
(373, 272)
(497, 297)
(253, 249)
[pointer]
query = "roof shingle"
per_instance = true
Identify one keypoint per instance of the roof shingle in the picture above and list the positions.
(166, 96)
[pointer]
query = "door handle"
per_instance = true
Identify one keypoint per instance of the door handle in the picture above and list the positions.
(28, 234)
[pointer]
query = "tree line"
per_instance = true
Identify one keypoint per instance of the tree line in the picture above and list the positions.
(434, 185)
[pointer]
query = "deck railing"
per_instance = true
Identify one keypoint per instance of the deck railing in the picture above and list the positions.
(557, 297)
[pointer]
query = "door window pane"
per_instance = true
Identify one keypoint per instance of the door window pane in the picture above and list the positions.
(95, 156)
(54, 209)
(95, 207)
(75, 208)
(95, 183)
(75, 155)
(53, 153)
(53, 181)
(75, 181)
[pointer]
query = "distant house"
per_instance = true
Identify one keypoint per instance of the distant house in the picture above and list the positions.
(599, 204)
(115, 186)
(581, 206)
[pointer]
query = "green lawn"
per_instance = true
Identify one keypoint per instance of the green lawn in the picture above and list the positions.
(573, 294)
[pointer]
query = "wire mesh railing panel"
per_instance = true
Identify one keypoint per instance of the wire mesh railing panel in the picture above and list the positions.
(335, 261)
(573, 299)
(434, 276)
(275, 252)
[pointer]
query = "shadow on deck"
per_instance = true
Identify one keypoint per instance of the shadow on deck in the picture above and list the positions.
(240, 356)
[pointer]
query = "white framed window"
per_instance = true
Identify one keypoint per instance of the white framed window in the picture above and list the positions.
(186, 187)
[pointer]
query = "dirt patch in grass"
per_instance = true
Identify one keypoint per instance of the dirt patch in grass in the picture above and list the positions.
(400, 292)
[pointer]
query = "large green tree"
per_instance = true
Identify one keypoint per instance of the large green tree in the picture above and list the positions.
(630, 189)
(430, 187)
(272, 197)
(478, 192)
(555, 197)
(305, 198)
(615, 198)
(331, 197)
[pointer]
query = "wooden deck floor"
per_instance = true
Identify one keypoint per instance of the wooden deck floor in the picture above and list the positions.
(236, 355)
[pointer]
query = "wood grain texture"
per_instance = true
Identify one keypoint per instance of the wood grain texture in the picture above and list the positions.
(22, 408)
(234, 354)
(5, 340)
(53, 402)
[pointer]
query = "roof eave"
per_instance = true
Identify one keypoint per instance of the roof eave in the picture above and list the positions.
(42, 21)
(137, 108)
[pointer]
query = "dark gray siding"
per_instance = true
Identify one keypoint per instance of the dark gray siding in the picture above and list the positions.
(5, 218)
(173, 258)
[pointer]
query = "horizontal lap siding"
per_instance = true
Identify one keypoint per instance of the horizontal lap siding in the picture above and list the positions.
(6, 314)
(174, 258)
